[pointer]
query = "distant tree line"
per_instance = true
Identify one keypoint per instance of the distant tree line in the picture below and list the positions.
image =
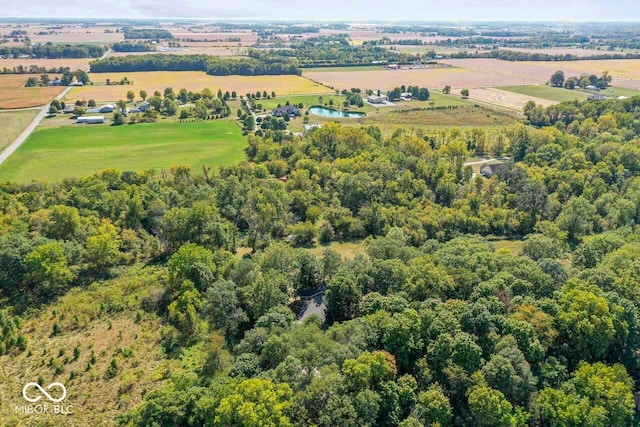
(51, 51)
(511, 55)
(151, 33)
(210, 64)
(133, 47)
(33, 69)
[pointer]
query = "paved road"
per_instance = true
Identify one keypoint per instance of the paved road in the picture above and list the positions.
(32, 126)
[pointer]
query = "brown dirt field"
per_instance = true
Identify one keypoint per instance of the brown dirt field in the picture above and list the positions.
(13, 94)
(72, 63)
(432, 78)
(191, 80)
(625, 72)
(192, 50)
(218, 38)
(74, 34)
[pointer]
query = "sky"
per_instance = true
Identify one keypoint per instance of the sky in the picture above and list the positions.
(345, 10)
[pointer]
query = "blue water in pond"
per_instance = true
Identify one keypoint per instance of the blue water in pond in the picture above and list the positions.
(330, 112)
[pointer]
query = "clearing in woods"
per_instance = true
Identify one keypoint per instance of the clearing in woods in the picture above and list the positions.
(190, 80)
(56, 153)
(13, 94)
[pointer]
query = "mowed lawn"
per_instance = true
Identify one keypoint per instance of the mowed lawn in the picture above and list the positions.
(546, 92)
(190, 80)
(12, 123)
(53, 154)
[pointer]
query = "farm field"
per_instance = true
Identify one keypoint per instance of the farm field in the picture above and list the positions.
(191, 50)
(72, 63)
(56, 153)
(546, 92)
(307, 100)
(506, 99)
(625, 72)
(12, 123)
(191, 80)
(13, 94)
(431, 78)
(74, 34)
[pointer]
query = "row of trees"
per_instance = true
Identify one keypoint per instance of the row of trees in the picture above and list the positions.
(212, 65)
(55, 51)
(602, 82)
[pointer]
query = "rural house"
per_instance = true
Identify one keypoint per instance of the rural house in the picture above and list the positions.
(488, 169)
(107, 108)
(290, 110)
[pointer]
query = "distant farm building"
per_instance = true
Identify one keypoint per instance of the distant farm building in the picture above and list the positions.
(290, 110)
(76, 83)
(69, 109)
(596, 97)
(591, 87)
(376, 99)
(90, 120)
(107, 108)
(55, 82)
(144, 106)
(393, 67)
(406, 96)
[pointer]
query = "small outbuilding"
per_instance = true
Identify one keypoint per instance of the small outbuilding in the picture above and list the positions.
(596, 97)
(69, 109)
(90, 120)
(107, 108)
(488, 169)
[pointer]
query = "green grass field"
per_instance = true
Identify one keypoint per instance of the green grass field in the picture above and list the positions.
(56, 153)
(615, 92)
(12, 123)
(307, 100)
(546, 92)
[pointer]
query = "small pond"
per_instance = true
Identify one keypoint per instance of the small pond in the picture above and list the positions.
(330, 112)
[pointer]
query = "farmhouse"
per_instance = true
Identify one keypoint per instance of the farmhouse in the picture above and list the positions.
(290, 110)
(591, 87)
(376, 99)
(55, 82)
(90, 120)
(107, 108)
(488, 169)
(406, 96)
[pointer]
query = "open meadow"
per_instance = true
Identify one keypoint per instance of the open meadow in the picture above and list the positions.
(56, 153)
(190, 80)
(12, 123)
(13, 94)
(547, 92)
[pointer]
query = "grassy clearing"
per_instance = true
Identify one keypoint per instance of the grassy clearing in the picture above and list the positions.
(512, 246)
(56, 153)
(12, 123)
(546, 92)
(13, 94)
(306, 100)
(615, 92)
(104, 320)
(190, 80)
(347, 250)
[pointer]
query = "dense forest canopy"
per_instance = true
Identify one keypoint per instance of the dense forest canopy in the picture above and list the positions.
(433, 325)
(54, 51)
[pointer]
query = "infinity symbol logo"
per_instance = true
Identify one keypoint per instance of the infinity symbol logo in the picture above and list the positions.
(43, 391)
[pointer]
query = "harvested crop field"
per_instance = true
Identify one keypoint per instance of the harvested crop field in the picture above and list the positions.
(191, 80)
(435, 78)
(625, 72)
(195, 49)
(72, 63)
(13, 94)
(74, 34)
